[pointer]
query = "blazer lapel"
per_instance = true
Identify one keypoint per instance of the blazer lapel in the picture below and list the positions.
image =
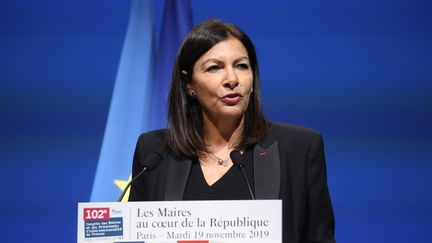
(267, 170)
(177, 175)
(267, 175)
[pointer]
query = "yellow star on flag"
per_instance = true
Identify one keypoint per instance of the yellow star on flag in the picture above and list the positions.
(122, 185)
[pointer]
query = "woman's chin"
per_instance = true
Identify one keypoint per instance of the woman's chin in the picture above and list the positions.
(231, 112)
(226, 113)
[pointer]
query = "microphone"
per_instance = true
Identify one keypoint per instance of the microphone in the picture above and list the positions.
(237, 160)
(150, 163)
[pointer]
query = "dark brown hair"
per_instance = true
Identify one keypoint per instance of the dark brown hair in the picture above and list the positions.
(186, 133)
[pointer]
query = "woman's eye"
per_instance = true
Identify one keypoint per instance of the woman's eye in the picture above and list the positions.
(213, 68)
(243, 66)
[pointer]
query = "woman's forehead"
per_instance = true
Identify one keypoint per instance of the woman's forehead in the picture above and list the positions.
(229, 49)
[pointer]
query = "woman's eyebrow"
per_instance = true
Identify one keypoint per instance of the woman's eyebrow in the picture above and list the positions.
(244, 58)
(217, 61)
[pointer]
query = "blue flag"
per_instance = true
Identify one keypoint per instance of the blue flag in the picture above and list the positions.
(129, 108)
(139, 98)
(176, 23)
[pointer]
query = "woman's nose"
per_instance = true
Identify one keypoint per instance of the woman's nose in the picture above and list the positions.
(231, 80)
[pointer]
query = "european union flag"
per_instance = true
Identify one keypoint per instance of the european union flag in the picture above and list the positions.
(139, 98)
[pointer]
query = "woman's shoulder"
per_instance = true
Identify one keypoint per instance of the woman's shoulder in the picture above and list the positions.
(277, 127)
(154, 134)
(292, 133)
(152, 140)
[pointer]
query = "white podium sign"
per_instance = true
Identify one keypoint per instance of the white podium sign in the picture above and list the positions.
(241, 221)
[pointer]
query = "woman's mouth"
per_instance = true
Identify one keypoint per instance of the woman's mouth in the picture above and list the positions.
(232, 99)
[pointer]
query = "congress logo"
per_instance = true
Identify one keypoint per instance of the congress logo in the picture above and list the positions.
(98, 223)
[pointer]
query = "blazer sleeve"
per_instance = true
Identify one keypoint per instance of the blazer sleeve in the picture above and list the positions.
(148, 186)
(320, 217)
(137, 165)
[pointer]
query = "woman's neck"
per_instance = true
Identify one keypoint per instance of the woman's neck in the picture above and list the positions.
(220, 132)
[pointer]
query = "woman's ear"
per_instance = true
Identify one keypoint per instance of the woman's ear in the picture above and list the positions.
(190, 89)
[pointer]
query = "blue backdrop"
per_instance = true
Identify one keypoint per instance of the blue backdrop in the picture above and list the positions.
(358, 71)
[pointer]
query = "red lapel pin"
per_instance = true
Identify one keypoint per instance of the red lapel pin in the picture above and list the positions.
(263, 154)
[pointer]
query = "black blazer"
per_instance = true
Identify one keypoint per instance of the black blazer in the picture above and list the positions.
(292, 169)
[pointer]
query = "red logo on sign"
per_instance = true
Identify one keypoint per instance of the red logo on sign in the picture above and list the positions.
(96, 214)
(192, 241)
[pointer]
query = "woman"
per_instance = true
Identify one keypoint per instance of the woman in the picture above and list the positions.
(214, 109)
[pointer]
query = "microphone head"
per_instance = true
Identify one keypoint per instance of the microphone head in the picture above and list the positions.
(153, 160)
(237, 158)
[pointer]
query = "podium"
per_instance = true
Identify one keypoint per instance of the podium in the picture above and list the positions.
(251, 221)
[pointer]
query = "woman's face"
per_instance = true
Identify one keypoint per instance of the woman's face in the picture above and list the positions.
(222, 80)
